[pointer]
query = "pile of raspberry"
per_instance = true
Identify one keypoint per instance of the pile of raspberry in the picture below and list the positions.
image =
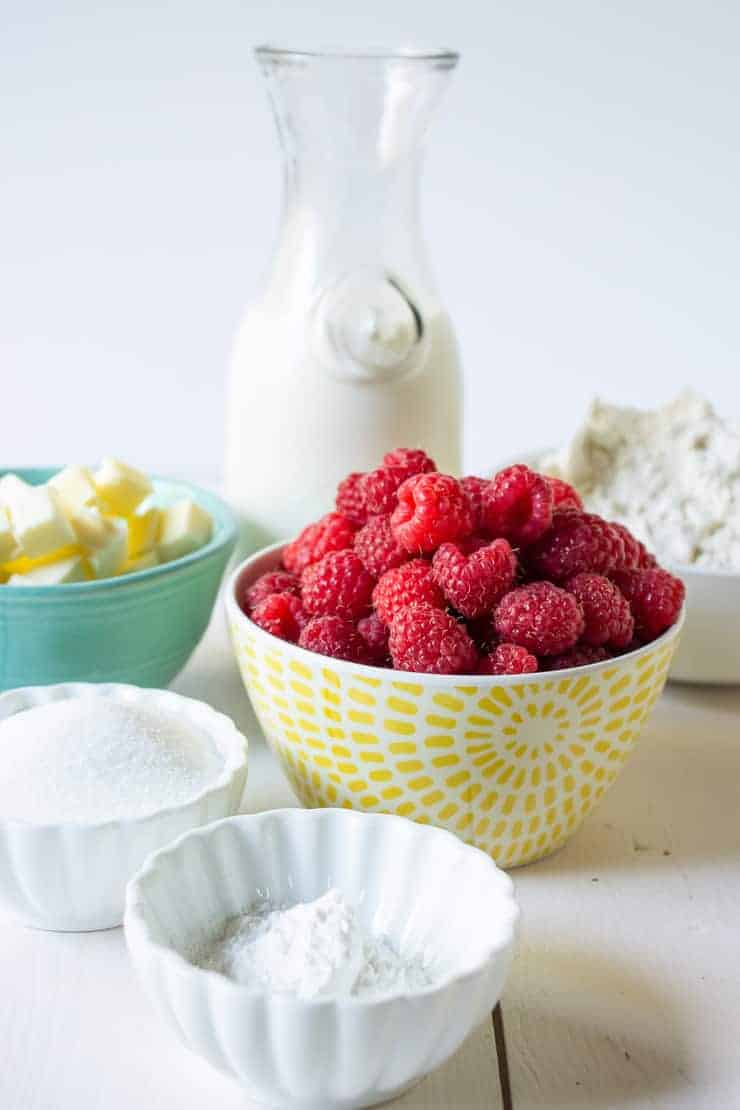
(419, 571)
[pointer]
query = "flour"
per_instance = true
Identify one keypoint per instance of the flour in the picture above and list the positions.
(313, 948)
(93, 758)
(671, 475)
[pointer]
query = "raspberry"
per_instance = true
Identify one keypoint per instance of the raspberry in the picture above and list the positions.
(563, 494)
(380, 487)
(474, 488)
(575, 542)
(540, 617)
(632, 548)
(377, 546)
(508, 659)
(429, 641)
(605, 609)
(579, 656)
(431, 510)
(403, 585)
(409, 460)
(614, 552)
(375, 635)
(518, 505)
(333, 532)
(655, 598)
(338, 585)
(350, 501)
(474, 583)
(280, 614)
(274, 582)
(380, 490)
(635, 556)
(335, 636)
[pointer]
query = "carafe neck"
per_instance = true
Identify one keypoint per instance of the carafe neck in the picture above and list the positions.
(351, 125)
(339, 217)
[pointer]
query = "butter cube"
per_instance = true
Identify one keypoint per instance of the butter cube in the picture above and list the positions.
(75, 487)
(38, 521)
(143, 530)
(7, 539)
(71, 569)
(121, 488)
(90, 528)
(108, 556)
(185, 528)
(145, 561)
(103, 542)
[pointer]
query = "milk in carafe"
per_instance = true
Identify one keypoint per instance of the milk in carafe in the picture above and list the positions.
(349, 352)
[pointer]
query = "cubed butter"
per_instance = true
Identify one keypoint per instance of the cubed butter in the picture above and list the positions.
(7, 539)
(107, 558)
(145, 561)
(185, 528)
(143, 531)
(91, 529)
(104, 540)
(36, 516)
(121, 488)
(72, 569)
(75, 487)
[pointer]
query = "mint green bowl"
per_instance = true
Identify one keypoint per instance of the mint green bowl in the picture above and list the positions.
(141, 628)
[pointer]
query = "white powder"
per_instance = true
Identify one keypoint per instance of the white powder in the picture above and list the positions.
(671, 475)
(94, 758)
(313, 948)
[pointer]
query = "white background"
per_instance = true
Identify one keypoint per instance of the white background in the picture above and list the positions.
(580, 204)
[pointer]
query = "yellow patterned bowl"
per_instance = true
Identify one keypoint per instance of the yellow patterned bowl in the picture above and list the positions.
(511, 764)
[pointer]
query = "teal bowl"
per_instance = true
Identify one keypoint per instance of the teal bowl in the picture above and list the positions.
(141, 628)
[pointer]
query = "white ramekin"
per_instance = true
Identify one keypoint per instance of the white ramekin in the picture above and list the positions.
(420, 885)
(709, 650)
(72, 876)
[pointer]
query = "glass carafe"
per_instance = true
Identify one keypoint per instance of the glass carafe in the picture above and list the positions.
(349, 352)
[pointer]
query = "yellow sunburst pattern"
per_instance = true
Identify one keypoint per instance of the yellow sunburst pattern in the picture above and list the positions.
(511, 766)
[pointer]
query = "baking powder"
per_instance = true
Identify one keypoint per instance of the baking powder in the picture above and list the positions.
(313, 948)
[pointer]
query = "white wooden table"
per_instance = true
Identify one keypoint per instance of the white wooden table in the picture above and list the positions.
(625, 991)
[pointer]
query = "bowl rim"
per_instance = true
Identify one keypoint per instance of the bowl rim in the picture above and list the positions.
(137, 930)
(232, 745)
(534, 457)
(224, 536)
(444, 680)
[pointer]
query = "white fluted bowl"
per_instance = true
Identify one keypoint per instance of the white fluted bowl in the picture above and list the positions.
(418, 884)
(72, 876)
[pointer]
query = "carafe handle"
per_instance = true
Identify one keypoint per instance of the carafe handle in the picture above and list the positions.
(367, 328)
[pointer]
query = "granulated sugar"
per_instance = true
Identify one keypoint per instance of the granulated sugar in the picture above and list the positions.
(95, 758)
(671, 475)
(313, 948)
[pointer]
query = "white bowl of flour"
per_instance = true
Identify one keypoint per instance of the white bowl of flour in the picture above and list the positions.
(672, 476)
(323, 958)
(92, 779)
